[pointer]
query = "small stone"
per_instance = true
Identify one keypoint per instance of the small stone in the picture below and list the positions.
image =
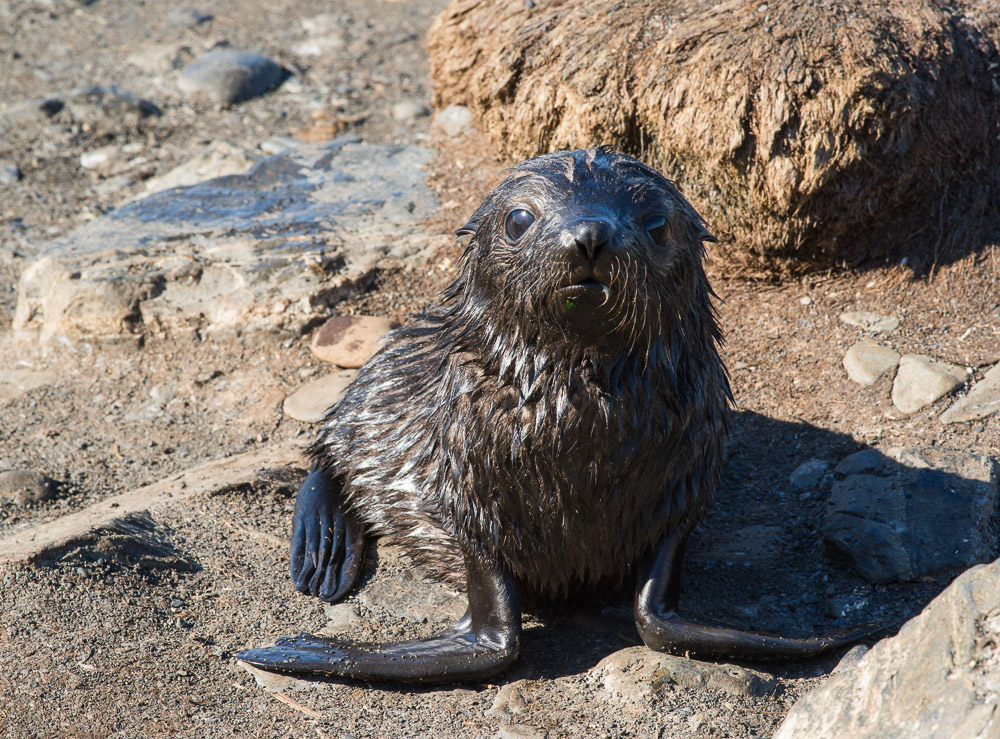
(805, 300)
(110, 186)
(25, 487)
(518, 731)
(322, 24)
(9, 173)
(219, 159)
(159, 58)
(340, 617)
(109, 105)
(100, 159)
(840, 605)
(321, 45)
(33, 110)
(229, 76)
(921, 380)
(635, 674)
(809, 474)
(278, 144)
(350, 341)
(870, 321)
(187, 17)
(408, 110)
(867, 361)
(983, 400)
(312, 400)
(454, 121)
(509, 700)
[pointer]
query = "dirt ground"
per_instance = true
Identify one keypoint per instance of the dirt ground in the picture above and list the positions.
(107, 642)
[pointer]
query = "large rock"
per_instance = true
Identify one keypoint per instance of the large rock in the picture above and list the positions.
(269, 250)
(940, 677)
(807, 133)
(902, 514)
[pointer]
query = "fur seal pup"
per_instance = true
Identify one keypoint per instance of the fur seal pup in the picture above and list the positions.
(554, 425)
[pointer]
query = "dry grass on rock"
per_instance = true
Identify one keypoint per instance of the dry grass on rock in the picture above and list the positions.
(809, 134)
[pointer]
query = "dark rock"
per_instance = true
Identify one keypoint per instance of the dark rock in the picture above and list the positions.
(886, 515)
(229, 76)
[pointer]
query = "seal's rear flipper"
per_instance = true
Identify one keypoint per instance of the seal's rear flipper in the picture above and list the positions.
(480, 646)
(328, 543)
(664, 630)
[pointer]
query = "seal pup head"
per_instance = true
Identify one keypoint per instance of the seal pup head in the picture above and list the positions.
(589, 248)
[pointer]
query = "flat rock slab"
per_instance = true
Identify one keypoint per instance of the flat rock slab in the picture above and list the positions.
(636, 674)
(25, 487)
(983, 400)
(229, 76)
(867, 361)
(412, 596)
(311, 401)
(271, 250)
(869, 321)
(350, 341)
(15, 382)
(905, 513)
(939, 677)
(219, 159)
(50, 539)
(921, 380)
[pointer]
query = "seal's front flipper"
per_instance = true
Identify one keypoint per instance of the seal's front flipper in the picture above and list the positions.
(328, 543)
(664, 630)
(480, 646)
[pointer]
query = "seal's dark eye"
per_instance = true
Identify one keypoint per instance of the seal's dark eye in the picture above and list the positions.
(518, 221)
(656, 227)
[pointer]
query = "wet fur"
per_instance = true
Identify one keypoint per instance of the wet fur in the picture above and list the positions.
(486, 421)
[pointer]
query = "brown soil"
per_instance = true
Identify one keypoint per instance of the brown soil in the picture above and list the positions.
(106, 642)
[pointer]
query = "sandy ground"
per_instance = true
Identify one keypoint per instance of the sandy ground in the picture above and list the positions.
(111, 640)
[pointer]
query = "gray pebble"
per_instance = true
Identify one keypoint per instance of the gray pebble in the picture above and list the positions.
(9, 173)
(408, 110)
(25, 487)
(229, 76)
(869, 321)
(809, 474)
(187, 17)
(454, 121)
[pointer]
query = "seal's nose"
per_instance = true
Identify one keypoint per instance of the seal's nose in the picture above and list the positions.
(591, 236)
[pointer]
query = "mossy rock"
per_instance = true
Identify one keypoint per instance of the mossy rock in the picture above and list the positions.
(810, 135)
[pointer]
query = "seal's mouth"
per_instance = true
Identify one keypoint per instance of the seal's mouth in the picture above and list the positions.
(586, 294)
